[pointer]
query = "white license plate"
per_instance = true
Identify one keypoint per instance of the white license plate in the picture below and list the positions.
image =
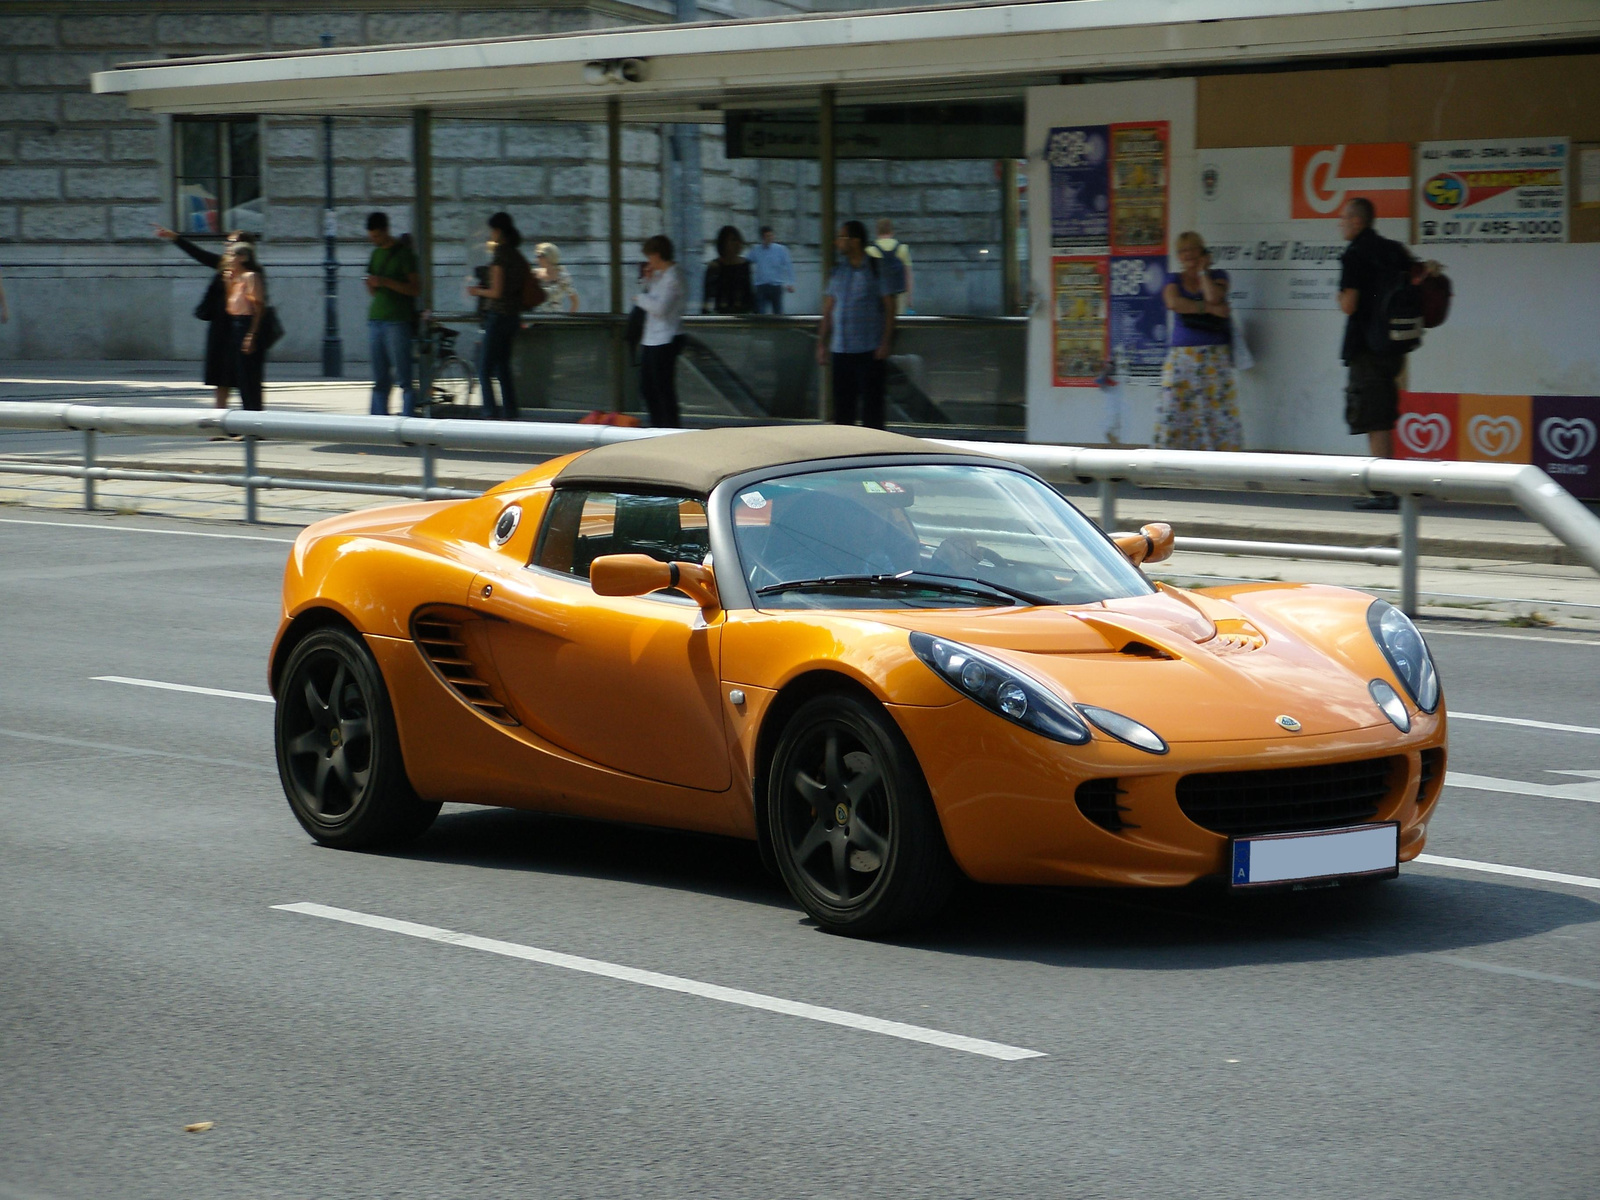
(1278, 858)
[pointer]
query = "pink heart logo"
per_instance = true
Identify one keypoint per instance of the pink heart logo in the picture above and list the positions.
(1494, 437)
(1424, 433)
(1568, 439)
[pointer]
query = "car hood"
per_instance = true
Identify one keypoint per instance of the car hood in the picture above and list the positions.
(1191, 667)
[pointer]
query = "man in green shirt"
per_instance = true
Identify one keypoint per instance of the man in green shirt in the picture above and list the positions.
(394, 282)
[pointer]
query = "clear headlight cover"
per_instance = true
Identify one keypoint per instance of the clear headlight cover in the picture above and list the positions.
(1001, 689)
(1402, 644)
(1124, 729)
(1393, 707)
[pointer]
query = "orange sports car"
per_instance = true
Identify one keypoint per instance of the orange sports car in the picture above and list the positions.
(886, 663)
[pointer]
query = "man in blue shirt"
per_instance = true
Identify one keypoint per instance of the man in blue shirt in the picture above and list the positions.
(858, 327)
(772, 272)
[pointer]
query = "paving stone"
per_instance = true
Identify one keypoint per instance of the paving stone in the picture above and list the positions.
(111, 183)
(56, 70)
(212, 30)
(293, 141)
(132, 223)
(371, 139)
(27, 31)
(544, 142)
(960, 200)
(400, 182)
(64, 223)
(134, 30)
(500, 183)
(133, 145)
(310, 183)
(30, 183)
(8, 224)
(90, 109)
(585, 182)
(64, 145)
(390, 28)
(17, 108)
(454, 140)
(504, 23)
(296, 30)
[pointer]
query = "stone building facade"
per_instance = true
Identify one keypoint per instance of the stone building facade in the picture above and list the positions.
(84, 180)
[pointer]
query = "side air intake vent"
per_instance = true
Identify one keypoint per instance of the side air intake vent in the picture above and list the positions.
(1098, 799)
(450, 639)
(1432, 765)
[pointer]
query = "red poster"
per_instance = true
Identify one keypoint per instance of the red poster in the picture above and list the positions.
(1428, 427)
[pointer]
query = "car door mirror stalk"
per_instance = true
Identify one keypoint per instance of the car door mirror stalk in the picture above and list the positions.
(1151, 544)
(639, 575)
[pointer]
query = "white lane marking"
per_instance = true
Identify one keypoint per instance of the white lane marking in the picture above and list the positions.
(236, 537)
(1523, 721)
(1467, 864)
(138, 751)
(182, 687)
(1585, 793)
(1509, 637)
(1519, 972)
(671, 983)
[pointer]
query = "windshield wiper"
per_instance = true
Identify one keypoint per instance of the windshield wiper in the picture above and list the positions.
(908, 579)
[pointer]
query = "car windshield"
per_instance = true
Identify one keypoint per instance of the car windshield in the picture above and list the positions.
(922, 536)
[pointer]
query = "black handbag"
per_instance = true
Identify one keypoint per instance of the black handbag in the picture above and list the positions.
(634, 333)
(1205, 322)
(271, 331)
(211, 305)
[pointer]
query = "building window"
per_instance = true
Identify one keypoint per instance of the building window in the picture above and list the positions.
(218, 175)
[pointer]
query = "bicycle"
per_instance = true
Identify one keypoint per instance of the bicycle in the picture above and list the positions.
(454, 378)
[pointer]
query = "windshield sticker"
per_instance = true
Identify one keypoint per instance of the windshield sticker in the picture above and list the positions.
(754, 500)
(893, 488)
(872, 487)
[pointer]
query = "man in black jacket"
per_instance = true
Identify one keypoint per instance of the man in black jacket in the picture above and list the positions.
(1372, 396)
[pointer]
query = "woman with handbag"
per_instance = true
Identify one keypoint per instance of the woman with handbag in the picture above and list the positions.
(1199, 408)
(247, 312)
(504, 297)
(213, 310)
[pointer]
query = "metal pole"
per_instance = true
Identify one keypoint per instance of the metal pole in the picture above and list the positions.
(422, 236)
(250, 479)
(1010, 220)
(1108, 504)
(1410, 511)
(429, 469)
(825, 203)
(88, 465)
(619, 351)
(332, 345)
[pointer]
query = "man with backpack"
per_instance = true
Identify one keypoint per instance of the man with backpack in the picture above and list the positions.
(894, 255)
(858, 328)
(394, 281)
(1384, 323)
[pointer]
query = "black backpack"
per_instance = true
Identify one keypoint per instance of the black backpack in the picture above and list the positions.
(1398, 318)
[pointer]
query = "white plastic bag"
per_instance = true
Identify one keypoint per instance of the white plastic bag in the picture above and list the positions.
(1243, 360)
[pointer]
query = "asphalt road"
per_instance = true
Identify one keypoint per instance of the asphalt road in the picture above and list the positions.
(1435, 1036)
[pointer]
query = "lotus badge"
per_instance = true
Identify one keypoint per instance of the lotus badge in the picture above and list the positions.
(1290, 724)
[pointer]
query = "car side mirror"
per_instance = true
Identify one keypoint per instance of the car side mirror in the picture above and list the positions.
(639, 575)
(1151, 544)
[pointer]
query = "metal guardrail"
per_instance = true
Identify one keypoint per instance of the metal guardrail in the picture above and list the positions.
(1524, 487)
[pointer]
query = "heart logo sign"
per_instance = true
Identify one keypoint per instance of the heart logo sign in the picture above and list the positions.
(1494, 437)
(1568, 439)
(1423, 433)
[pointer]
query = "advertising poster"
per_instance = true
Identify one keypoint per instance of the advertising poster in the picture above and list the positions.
(1558, 434)
(1270, 215)
(1502, 190)
(1139, 188)
(1138, 315)
(1078, 320)
(1080, 205)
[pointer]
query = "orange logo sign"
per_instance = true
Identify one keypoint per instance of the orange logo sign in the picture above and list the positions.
(1326, 176)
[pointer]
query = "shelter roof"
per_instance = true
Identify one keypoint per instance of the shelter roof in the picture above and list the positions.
(695, 69)
(696, 462)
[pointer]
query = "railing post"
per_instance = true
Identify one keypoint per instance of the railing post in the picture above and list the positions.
(428, 469)
(250, 479)
(1108, 504)
(1410, 510)
(88, 465)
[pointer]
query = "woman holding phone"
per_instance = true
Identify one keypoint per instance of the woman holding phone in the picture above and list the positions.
(1199, 408)
(246, 304)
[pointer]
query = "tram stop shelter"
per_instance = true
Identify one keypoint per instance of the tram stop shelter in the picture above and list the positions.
(1209, 112)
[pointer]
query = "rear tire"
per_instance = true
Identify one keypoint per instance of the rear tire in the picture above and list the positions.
(339, 750)
(851, 825)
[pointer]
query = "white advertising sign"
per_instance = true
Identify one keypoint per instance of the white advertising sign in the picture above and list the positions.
(1503, 190)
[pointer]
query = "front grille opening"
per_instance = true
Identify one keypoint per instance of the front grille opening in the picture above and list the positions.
(445, 637)
(1098, 800)
(1288, 799)
(1432, 768)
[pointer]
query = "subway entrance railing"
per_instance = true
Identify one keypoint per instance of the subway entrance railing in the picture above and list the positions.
(1524, 487)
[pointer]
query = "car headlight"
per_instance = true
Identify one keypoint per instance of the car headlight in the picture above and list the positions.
(1124, 729)
(1001, 689)
(1393, 707)
(1402, 644)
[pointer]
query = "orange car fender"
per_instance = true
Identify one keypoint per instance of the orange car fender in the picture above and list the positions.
(772, 650)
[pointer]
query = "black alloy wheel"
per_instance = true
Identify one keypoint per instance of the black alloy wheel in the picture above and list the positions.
(851, 823)
(338, 749)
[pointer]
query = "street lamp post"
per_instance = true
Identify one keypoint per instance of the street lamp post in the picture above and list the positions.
(332, 344)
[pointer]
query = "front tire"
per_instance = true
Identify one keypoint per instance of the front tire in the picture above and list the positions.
(851, 824)
(339, 750)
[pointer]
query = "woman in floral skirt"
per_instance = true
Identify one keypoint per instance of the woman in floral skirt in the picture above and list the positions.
(1199, 407)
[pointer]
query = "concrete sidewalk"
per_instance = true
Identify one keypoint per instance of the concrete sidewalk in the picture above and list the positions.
(1475, 557)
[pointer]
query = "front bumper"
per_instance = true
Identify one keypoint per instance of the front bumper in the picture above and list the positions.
(1007, 798)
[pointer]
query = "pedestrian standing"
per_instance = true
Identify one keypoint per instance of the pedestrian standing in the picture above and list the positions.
(502, 314)
(217, 372)
(560, 295)
(888, 249)
(771, 272)
(394, 282)
(728, 290)
(1370, 265)
(1199, 406)
(246, 304)
(662, 298)
(858, 328)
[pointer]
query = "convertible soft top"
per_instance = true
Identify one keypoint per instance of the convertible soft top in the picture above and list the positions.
(696, 462)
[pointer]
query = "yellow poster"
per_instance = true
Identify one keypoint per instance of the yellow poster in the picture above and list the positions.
(1078, 320)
